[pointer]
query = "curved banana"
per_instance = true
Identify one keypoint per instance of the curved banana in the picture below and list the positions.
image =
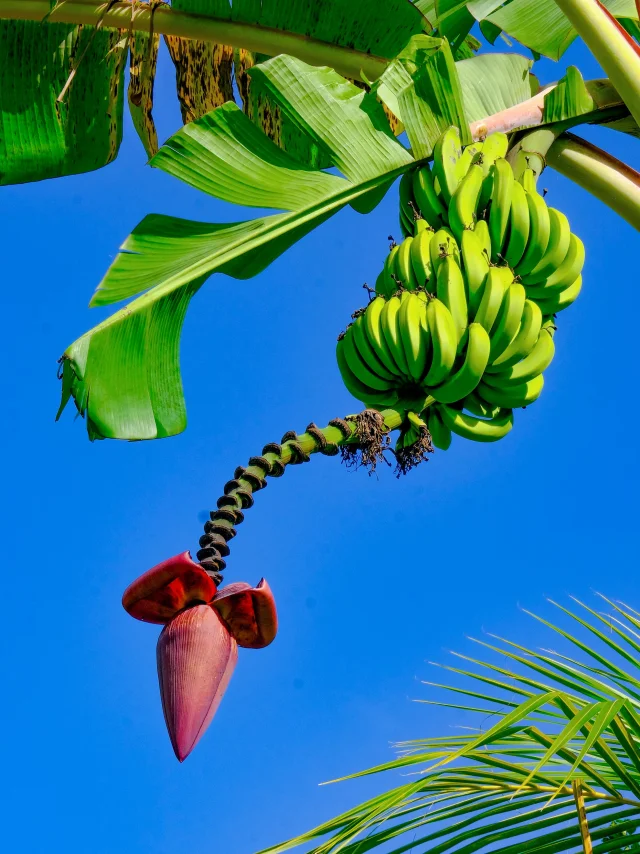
(509, 318)
(421, 257)
(501, 195)
(561, 299)
(442, 243)
(443, 342)
(407, 215)
(451, 291)
(475, 263)
(477, 406)
(524, 341)
(359, 367)
(512, 396)
(391, 331)
(468, 156)
(495, 146)
(388, 284)
(446, 156)
(540, 228)
(518, 226)
(360, 390)
(373, 328)
(535, 363)
(557, 249)
(440, 435)
(567, 272)
(495, 286)
(464, 202)
(402, 264)
(428, 201)
(367, 352)
(415, 343)
(467, 377)
(477, 429)
(481, 231)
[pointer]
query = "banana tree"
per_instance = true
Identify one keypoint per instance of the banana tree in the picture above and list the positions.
(551, 764)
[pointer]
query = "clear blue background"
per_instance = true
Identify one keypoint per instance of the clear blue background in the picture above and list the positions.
(373, 576)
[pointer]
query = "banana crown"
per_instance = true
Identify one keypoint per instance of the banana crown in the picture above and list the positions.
(461, 328)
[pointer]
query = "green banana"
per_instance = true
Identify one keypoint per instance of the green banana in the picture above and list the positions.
(402, 267)
(481, 231)
(561, 299)
(495, 146)
(476, 406)
(566, 273)
(442, 244)
(540, 228)
(420, 257)
(446, 157)
(414, 341)
(509, 318)
(464, 202)
(518, 226)
(535, 363)
(359, 367)
(495, 286)
(407, 215)
(512, 396)
(501, 195)
(373, 328)
(443, 342)
(475, 262)
(478, 429)
(469, 374)
(451, 291)
(440, 435)
(468, 156)
(557, 249)
(358, 389)
(391, 331)
(427, 199)
(388, 284)
(367, 352)
(524, 341)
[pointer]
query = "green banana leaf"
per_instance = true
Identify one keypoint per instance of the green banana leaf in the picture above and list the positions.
(43, 135)
(124, 374)
(553, 729)
(61, 99)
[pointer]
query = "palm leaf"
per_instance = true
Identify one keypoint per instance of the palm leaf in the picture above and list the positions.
(509, 789)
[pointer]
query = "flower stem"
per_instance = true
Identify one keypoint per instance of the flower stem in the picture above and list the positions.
(293, 449)
(608, 179)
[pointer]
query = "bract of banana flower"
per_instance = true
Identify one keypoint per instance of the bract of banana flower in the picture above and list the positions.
(198, 646)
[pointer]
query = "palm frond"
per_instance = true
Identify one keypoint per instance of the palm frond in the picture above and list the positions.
(571, 741)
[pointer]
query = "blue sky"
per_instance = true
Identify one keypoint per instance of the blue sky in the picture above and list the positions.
(373, 576)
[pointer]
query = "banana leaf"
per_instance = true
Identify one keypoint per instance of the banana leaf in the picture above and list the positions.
(124, 374)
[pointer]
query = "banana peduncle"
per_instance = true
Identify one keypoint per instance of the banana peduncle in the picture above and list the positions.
(362, 433)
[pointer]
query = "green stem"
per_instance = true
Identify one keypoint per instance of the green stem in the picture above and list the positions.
(611, 45)
(294, 448)
(172, 22)
(608, 179)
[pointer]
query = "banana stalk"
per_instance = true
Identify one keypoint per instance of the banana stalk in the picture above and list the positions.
(608, 179)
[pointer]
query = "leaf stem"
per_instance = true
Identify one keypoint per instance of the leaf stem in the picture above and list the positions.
(587, 847)
(607, 178)
(611, 45)
(293, 449)
(173, 22)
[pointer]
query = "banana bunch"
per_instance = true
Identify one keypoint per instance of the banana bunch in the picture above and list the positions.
(490, 216)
